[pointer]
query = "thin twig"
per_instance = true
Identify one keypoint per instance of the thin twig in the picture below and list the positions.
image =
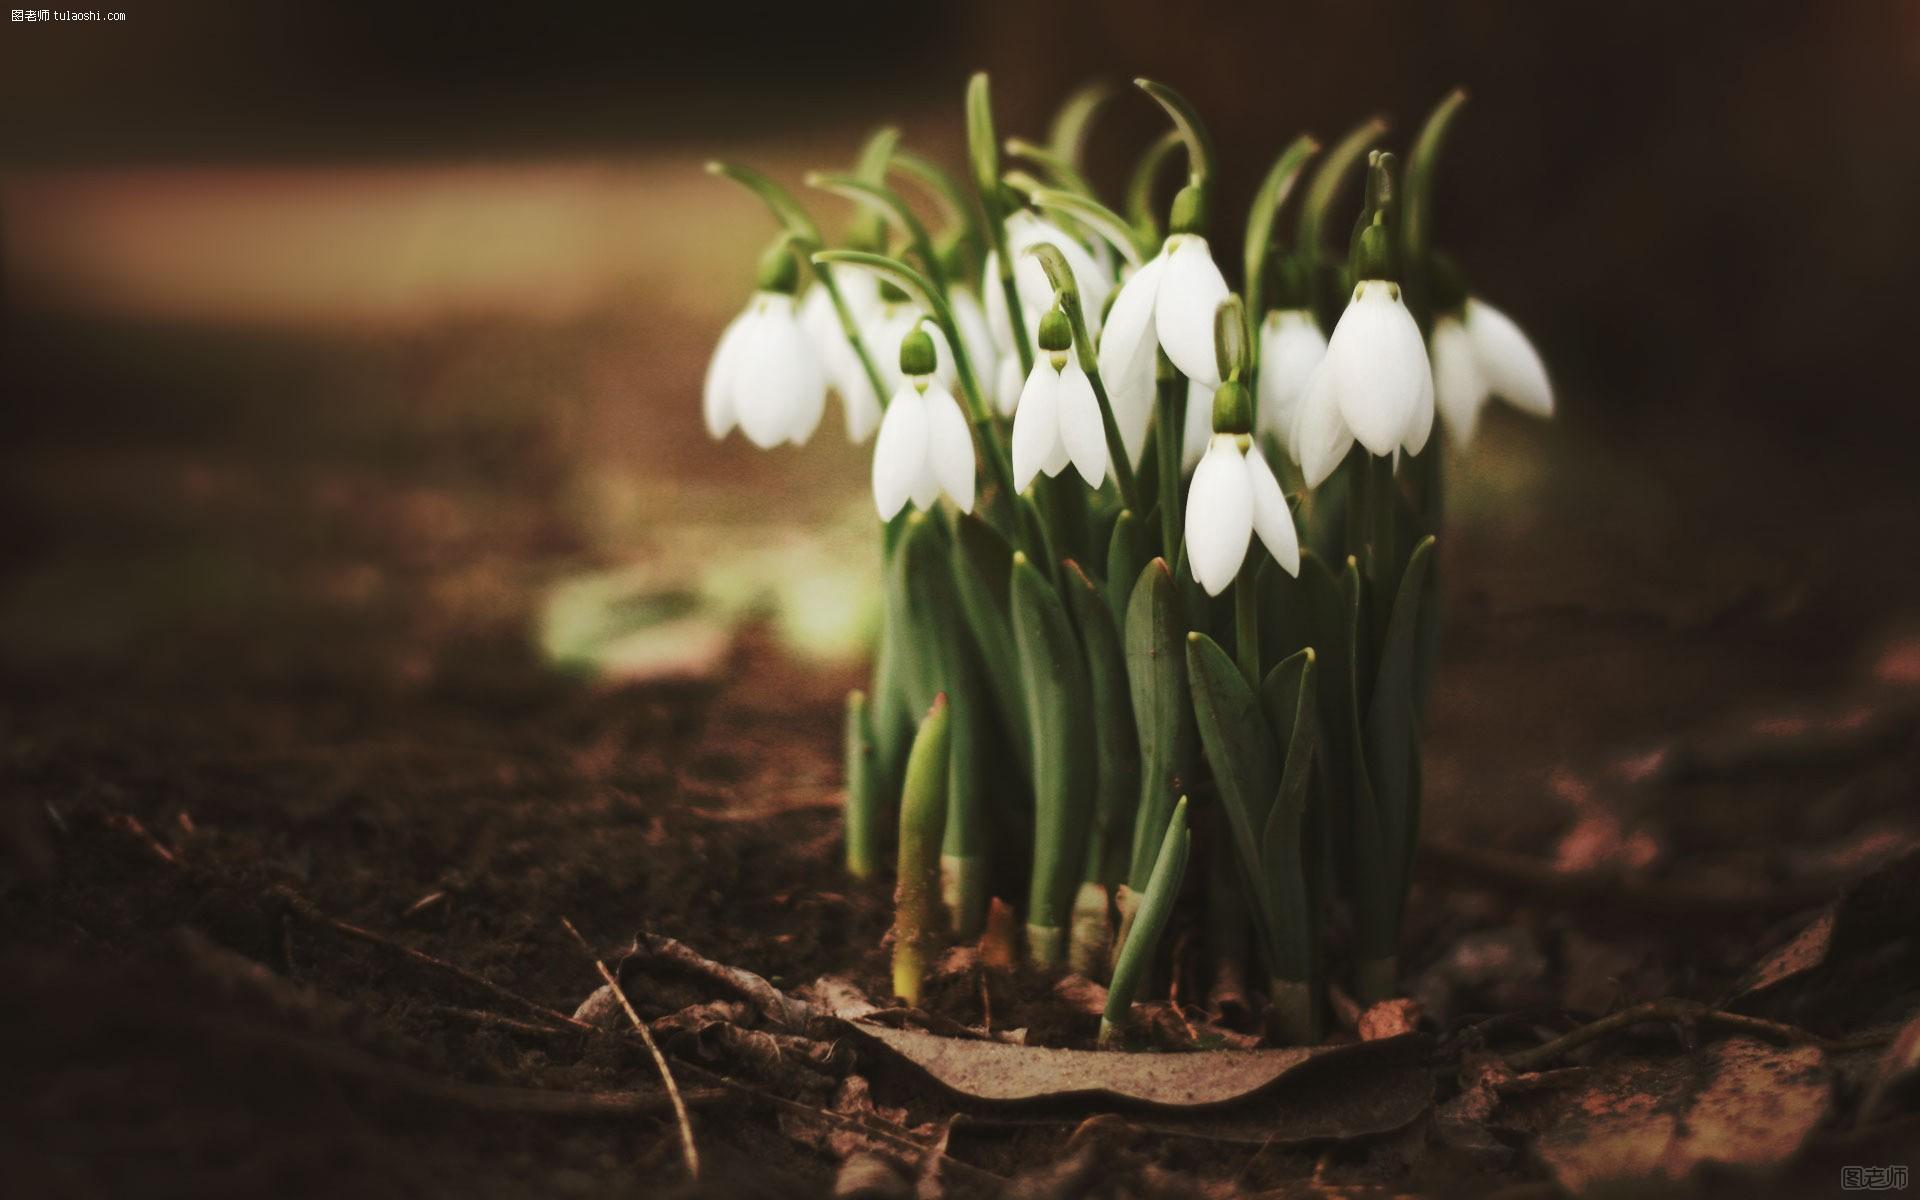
(687, 1148)
(1666, 1009)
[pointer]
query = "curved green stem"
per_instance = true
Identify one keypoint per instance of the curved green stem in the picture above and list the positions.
(1066, 293)
(983, 151)
(1063, 173)
(1416, 206)
(1067, 136)
(945, 189)
(1193, 131)
(1087, 211)
(1261, 218)
(890, 206)
(1146, 173)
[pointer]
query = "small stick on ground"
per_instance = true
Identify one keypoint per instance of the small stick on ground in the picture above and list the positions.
(307, 911)
(774, 1004)
(687, 1148)
(1667, 1009)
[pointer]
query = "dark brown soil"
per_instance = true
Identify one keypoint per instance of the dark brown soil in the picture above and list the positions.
(264, 639)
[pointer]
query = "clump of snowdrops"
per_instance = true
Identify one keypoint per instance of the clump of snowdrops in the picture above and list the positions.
(1159, 555)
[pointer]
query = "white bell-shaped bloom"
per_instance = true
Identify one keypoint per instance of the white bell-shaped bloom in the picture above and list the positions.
(1375, 385)
(924, 448)
(1477, 355)
(890, 323)
(1058, 421)
(1291, 346)
(1007, 384)
(1168, 303)
(765, 376)
(1234, 496)
(1026, 229)
(976, 337)
(1199, 424)
(845, 374)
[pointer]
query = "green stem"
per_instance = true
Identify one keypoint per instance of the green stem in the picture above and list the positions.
(1169, 415)
(851, 329)
(1066, 293)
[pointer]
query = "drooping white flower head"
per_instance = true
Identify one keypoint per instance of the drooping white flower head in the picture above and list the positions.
(890, 323)
(1480, 353)
(1199, 424)
(1169, 304)
(845, 373)
(925, 446)
(1058, 421)
(765, 376)
(1234, 496)
(1007, 385)
(1026, 229)
(976, 336)
(1291, 346)
(1375, 385)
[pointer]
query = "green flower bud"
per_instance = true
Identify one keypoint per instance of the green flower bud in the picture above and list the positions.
(778, 271)
(1232, 408)
(1373, 255)
(1189, 211)
(917, 356)
(892, 293)
(1056, 332)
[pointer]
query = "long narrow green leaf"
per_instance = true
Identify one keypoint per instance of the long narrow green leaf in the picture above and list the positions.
(1140, 187)
(1288, 859)
(1392, 733)
(923, 812)
(1162, 710)
(1154, 909)
(1234, 733)
(1416, 205)
(1067, 135)
(983, 573)
(1273, 193)
(1054, 676)
(864, 802)
(1117, 770)
(1128, 553)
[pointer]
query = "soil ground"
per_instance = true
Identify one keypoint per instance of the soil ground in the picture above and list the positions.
(267, 608)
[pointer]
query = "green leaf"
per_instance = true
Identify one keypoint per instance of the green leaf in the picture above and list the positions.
(1059, 715)
(1186, 119)
(1392, 732)
(881, 200)
(864, 804)
(1239, 748)
(1287, 856)
(1416, 206)
(784, 207)
(1140, 185)
(983, 572)
(983, 145)
(1273, 193)
(1087, 211)
(923, 812)
(1127, 554)
(1161, 890)
(1162, 711)
(1117, 761)
(1067, 136)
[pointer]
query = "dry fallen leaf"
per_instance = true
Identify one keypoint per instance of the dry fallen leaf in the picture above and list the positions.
(1389, 1018)
(1879, 908)
(1740, 1103)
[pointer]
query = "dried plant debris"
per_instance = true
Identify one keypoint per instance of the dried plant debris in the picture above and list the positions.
(1860, 938)
(1740, 1104)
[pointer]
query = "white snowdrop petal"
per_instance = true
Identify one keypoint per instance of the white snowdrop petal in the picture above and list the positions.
(1459, 390)
(1082, 432)
(769, 383)
(1272, 520)
(1183, 312)
(995, 298)
(716, 394)
(1026, 230)
(900, 452)
(949, 448)
(975, 337)
(1199, 423)
(1126, 355)
(1420, 426)
(1377, 361)
(1219, 515)
(1036, 423)
(1510, 364)
(861, 405)
(1320, 437)
(1007, 385)
(1291, 346)
(860, 292)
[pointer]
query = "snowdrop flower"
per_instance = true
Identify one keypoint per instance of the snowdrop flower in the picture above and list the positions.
(976, 336)
(891, 322)
(1026, 229)
(1168, 303)
(1007, 385)
(1291, 346)
(845, 373)
(766, 376)
(1199, 424)
(1478, 353)
(1374, 385)
(1234, 496)
(1058, 418)
(924, 447)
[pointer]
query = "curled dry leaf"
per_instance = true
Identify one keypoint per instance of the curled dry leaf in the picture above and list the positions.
(1883, 906)
(1740, 1104)
(1389, 1018)
(991, 1071)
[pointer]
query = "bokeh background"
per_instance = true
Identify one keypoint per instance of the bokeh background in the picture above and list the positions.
(327, 320)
